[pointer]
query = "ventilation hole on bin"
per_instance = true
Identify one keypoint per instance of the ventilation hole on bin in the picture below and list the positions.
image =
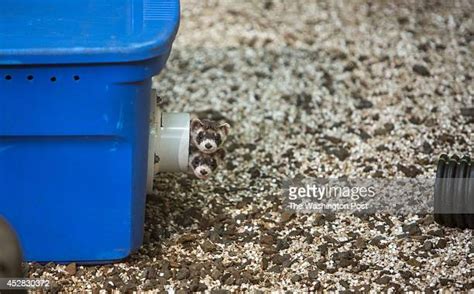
(8, 77)
(76, 78)
(53, 79)
(30, 78)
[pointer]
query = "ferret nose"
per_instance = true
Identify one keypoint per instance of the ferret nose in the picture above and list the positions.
(208, 145)
(203, 172)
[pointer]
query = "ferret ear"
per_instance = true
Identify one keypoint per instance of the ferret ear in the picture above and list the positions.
(220, 153)
(196, 123)
(225, 128)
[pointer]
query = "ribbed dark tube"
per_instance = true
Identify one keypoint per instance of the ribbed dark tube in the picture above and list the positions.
(454, 192)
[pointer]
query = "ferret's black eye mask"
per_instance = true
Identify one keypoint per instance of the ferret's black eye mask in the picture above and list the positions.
(195, 162)
(218, 139)
(200, 136)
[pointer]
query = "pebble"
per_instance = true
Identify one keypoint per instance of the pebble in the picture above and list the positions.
(379, 242)
(406, 274)
(364, 104)
(296, 278)
(421, 70)
(412, 229)
(208, 246)
(182, 274)
(467, 111)
(410, 171)
(442, 243)
(428, 245)
(187, 238)
(312, 275)
(383, 280)
(340, 153)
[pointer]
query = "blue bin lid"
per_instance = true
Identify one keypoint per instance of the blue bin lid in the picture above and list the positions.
(85, 31)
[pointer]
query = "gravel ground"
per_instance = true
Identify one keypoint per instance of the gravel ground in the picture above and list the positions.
(312, 89)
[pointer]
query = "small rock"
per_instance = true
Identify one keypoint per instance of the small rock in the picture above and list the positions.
(445, 282)
(281, 259)
(364, 104)
(128, 288)
(468, 111)
(381, 147)
(360, 243)
(380, 228)
(361, 268)
(447, 138)
(424, 46)
(350, 66)
(414, 262)
(367, 169)
(345, 284)
(296, 278)
(216, 274)
(282, 244)
(421, 70)
(187, 238)
(442, 243)
(264, 264)
(452, 262)
(254, 172)
(428, 245)
(364, 135)
(182, 274)
(427, 148)
(406, 274)
(410, 171)
(321, 265)
(378, 241)
(276, 269)
(196, 286)
(268, 4)
(208, 246)
(383, 280)
(412, 229)
(389, 127)
(286, 216)
(312, 275)
(330, 239)
(385, 130)
(323, 249)
(403, 20)
(437, 232)
(340, 152)
(267, 240)
(229, 67)
(344, 258)
(332, 139)
(151, 273)
(415, 120)
(71, 269)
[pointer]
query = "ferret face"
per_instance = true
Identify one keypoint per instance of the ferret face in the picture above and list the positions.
(203, 164)
(207, 135)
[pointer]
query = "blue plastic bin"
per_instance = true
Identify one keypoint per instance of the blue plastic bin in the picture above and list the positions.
(75, 85)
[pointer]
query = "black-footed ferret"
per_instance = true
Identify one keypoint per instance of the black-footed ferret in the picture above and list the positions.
(207, 135)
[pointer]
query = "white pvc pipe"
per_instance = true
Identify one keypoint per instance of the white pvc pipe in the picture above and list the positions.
(173, 142)
(152, 143)
(168, 141)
